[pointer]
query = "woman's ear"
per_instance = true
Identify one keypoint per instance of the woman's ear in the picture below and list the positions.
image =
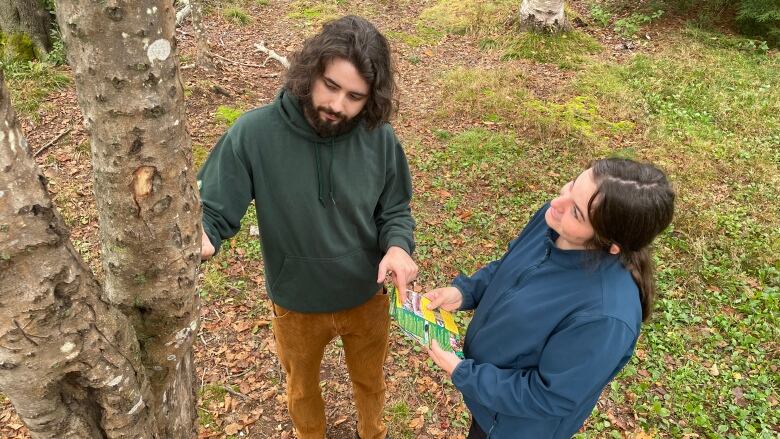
(614, 249)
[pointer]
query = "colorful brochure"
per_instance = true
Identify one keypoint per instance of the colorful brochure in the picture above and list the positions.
(425, 325)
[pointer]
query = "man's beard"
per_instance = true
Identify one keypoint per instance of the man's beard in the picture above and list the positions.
(326, 128)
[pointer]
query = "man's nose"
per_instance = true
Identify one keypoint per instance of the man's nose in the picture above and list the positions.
(337, 104)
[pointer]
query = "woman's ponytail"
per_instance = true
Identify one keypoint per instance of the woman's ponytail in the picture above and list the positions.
(640, 264)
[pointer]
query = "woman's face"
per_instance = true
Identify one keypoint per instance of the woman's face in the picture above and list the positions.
(568, 214)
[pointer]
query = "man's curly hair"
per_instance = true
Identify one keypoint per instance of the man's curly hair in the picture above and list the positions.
(356, 40)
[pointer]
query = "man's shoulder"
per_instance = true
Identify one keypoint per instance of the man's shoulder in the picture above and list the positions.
(255, 118)
(383, 134)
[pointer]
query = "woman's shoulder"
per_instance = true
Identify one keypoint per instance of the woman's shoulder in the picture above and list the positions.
(620, 294)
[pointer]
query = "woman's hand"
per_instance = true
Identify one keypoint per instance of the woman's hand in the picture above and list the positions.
(448, 298)
(446, 360)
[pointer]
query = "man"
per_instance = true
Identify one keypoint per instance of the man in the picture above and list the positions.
(332, 191)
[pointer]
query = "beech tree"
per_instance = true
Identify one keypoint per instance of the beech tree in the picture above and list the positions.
(78, 358)
(546, 15)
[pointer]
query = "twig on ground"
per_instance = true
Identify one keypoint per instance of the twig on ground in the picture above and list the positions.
(52, 142)
(242, 373)
(233, 392)
(236, 62)
(272, 55)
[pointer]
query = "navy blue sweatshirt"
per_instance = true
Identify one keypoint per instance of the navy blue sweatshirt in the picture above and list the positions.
(551, 328)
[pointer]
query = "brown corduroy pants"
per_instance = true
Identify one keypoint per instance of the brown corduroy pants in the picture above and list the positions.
(301, 339)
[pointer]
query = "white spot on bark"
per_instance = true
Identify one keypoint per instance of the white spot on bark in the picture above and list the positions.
(137, 406)
(125, 35)
(2, 193)
(148, 11)
(174, 124)
(11, 139)
(72, 356)
(171, 357)
(193, 324)
(67, 347)
(159, 50)
(115, 381)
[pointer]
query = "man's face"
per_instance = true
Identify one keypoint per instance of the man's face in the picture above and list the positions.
(336, 98)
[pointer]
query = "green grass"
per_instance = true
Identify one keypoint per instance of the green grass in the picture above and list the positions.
(227, 115)
(468, 16)
(499, 96)
(31, 83)
(567, 50)
(707, 109)
(400, 414)
(313, 13)
(199, 155)
(236, 15)
(423, 37)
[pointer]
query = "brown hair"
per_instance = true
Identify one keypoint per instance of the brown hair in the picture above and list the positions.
(633, 203)
(356, 40)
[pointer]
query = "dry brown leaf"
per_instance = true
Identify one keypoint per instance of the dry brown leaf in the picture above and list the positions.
(417, 423)
(233, 428)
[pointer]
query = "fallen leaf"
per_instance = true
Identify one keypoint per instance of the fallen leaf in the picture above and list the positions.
(233, 429)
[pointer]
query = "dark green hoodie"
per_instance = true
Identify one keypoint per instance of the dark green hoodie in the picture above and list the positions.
(328, 208)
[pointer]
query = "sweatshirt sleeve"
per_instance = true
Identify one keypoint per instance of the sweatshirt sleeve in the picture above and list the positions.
(225, 190)
(393, 215)
(575, 364)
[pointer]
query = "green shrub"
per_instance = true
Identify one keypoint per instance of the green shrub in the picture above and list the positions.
(760, 19)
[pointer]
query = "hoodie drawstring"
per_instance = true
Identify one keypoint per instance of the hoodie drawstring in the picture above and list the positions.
(332, 153)
(319, 173)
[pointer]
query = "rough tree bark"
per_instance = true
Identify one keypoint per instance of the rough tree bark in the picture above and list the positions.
(127, 369)
(203, 59)
(543, 15)
(69, 362)
(128, 86)
(28, 18)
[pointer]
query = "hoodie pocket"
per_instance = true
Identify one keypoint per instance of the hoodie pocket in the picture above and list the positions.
(317, 284)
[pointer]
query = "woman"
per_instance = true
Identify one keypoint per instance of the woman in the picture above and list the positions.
(558, 316)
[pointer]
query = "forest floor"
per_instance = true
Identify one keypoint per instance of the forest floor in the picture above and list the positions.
(493, 122)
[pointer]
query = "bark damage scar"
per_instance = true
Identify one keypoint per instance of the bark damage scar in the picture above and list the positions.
(143, 184)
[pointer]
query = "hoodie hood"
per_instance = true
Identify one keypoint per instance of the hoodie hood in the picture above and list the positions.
(292, 113)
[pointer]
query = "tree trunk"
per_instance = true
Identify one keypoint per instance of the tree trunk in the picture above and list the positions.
(204, 59)
(25, 19)
(543, 15)
(78, 362)
(69, 363)
(128, 87)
